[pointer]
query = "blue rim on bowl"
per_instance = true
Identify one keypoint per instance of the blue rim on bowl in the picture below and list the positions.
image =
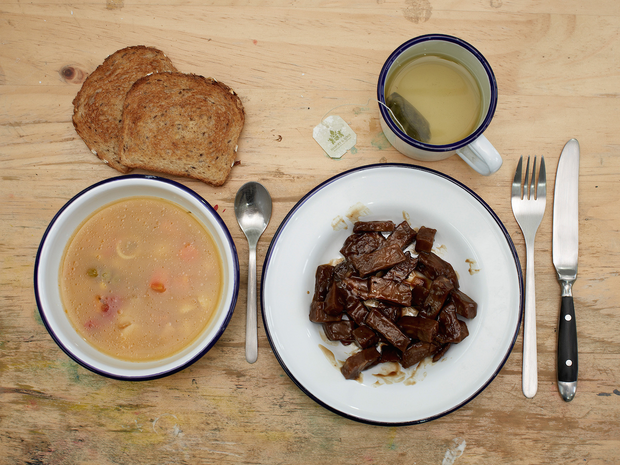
(155, 370)
(295, 220)
(410, 140)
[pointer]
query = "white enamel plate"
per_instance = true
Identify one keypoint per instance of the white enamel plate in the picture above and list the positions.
(469, 236)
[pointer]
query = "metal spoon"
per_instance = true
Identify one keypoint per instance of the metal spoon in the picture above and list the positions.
(253, 211)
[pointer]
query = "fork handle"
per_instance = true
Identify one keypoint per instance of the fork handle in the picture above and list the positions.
(530, 356)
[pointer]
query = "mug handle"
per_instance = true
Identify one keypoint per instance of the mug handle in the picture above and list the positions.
(481, 156)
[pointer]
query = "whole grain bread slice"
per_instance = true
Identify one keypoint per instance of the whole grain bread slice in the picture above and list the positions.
(182, 124)
(98, 106)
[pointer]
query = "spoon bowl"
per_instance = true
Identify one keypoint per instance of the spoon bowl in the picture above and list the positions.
(253, 212)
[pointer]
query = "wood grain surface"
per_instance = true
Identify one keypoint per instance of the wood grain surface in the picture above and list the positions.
(557, 65)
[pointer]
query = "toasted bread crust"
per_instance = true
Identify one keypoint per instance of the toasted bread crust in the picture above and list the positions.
(98, 106)
(182, 124)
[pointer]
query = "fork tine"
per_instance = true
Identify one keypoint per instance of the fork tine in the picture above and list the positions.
(516, 183)
(542, 180)
(533, 192)
(526, 181)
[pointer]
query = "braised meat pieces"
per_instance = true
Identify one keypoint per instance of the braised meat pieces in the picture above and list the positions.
(391, 296)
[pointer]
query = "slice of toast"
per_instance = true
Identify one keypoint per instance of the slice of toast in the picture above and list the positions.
(182, 124)
(98, 106)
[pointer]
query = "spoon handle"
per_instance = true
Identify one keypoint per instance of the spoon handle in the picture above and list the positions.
(251, 336)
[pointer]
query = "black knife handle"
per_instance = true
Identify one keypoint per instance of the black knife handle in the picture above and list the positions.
(567, 342)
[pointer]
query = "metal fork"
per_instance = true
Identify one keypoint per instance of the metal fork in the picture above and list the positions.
(529, 197)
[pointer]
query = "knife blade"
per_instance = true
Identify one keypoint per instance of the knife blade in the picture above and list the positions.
(565, 258)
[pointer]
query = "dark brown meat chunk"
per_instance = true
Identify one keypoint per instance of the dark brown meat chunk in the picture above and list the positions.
(402, 236)
(465, 305)
(415, 327)
(463, 334)
(318, 315)
(451, 329)
(358, 312)
(365, 337)
(333, 302)
(440, 353)
(391, 312)
(323, 281)
(416, 353)
(425, 239)
(359, 362)
(419, 290)
(343, 270)
(340, 331)
(349, 296)
(359, 287)
(390, 354)
(401, 271)
(377, 321)
(437, 296)
(390, 291)
(373, 226)
(433, 266)
(385, 257)
(358, 244)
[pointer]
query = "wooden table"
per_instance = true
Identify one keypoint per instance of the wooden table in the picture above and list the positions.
(557, 65)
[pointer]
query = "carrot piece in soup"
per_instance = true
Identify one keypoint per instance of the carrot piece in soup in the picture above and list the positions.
(109, 305)
(158, 286)
(159, 280)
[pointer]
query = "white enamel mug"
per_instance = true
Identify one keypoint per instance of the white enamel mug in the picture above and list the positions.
(475, 149)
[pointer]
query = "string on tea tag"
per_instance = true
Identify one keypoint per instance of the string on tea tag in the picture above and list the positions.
(335, 136)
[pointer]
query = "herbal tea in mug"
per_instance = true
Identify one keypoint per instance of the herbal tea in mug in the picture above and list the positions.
(435, 99)
(437, 95)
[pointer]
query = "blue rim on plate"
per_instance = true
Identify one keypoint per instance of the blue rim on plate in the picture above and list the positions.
(269, 264)
(410, 140)
(220, 331)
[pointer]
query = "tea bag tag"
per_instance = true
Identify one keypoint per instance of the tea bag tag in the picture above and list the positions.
(335, 136)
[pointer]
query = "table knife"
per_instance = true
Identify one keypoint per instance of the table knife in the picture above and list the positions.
(565, 256)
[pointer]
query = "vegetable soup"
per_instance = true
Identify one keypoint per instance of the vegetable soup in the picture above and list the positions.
(141, 279)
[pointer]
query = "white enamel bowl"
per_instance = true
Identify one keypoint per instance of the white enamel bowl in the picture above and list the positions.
(50, 253)
(469, 235)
